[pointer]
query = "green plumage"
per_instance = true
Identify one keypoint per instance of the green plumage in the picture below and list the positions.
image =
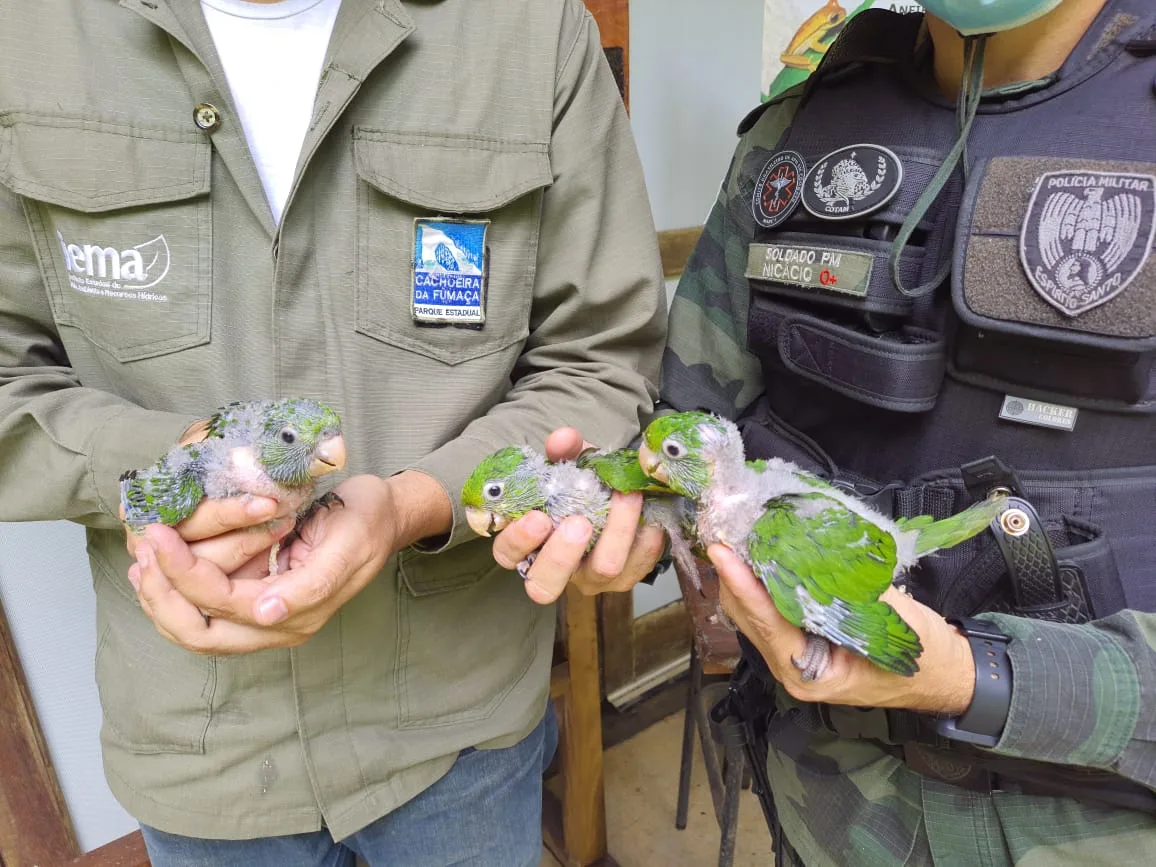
(824, 555)
(791, 548)
(620, 471)
(268, 448)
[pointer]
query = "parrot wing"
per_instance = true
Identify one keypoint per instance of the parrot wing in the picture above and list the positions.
(165, 493)
(620, 471)
(936, 535)
(825, 567)
(236, 418)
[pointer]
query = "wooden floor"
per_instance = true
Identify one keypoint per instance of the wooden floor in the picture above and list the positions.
(641, 790)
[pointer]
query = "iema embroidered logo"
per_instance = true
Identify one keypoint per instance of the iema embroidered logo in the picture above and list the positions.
(98, 270)
(449, 271)
(1086, 236)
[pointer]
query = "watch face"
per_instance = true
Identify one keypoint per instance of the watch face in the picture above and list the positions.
(778, 189)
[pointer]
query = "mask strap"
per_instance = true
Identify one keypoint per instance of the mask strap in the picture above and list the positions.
(967, 104)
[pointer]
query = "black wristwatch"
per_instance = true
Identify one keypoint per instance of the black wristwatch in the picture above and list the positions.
(983, 721)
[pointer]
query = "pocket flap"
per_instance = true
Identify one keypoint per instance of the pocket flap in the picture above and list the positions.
(92, 166)
(453, 174)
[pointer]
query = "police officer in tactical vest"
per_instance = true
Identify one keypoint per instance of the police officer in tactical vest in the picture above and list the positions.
(928, 275)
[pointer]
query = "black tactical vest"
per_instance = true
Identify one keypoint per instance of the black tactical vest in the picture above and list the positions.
(1039, 348)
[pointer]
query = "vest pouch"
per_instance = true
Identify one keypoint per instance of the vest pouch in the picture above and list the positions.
(766, 435)
(900, 370)
(1053, 281)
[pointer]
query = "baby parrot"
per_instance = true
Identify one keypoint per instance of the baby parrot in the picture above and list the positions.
(824, 555)
(265, 448)
(516, 480)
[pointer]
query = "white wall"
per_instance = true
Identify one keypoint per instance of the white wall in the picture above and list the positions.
(46, 590)
(695, 67)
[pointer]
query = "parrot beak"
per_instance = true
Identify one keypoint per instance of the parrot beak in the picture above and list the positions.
(652, 464)
(328, 457)
(485, 523)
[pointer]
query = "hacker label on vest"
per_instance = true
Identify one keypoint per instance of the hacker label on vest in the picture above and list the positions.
(450, 271)
(843, 271)
(1038, 413)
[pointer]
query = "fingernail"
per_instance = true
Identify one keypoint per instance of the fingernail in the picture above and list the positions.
(260, 508)
(143, 555)
(272, 610)
(134, 576)
(575, 530)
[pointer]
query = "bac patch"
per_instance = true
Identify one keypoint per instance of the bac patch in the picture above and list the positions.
(450, 270)
(852, 181)
(1086, 235)
(778, 189)
(1038, 413)
(811, 267)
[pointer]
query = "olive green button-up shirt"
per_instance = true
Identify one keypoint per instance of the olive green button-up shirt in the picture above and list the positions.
(143, 283)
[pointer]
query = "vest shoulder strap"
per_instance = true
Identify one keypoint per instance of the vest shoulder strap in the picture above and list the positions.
(873, 36)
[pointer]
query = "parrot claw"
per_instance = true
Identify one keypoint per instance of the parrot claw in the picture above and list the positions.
(816, 657)
(273, 552)
(325, 501)
(524, 567)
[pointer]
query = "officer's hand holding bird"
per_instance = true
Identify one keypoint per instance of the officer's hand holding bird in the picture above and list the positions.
(825, 556)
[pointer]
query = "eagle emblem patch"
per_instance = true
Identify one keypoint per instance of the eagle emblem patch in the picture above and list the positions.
(1086, 235)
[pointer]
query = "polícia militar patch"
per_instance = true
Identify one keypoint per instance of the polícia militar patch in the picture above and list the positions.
(1086, 235)
(450, 271)
(778, 189)
(852, 181)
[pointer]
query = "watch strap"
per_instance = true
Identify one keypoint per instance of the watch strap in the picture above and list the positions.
(983, 721)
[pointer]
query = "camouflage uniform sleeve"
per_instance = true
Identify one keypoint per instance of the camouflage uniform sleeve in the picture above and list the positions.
(706, 364)
(1084, 695)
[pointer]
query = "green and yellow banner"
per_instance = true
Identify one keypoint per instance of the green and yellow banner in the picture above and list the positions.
(796, 34)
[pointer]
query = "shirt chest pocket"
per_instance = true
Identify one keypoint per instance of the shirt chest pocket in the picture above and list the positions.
(447, 241)
(122, 223)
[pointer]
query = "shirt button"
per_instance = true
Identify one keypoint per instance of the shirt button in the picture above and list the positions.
(206, 117)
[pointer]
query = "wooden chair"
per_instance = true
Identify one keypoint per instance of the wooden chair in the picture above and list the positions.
(714, 653)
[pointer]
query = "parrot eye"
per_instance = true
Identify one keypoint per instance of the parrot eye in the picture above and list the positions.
(673, 449)
(494, 490)
(289, 436)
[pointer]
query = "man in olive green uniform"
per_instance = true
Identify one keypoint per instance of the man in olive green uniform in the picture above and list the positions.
(454, 251)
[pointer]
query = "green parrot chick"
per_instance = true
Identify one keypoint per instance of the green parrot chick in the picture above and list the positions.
(824, 555)
(264, 448)
(516, 480)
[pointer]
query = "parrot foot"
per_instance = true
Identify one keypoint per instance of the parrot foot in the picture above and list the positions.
(273, 552)
(524, 567)
(816, 658)
(325, 501)
(684, 558)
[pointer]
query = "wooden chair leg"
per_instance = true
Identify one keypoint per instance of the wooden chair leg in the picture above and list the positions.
(576, 687)
(688, 726)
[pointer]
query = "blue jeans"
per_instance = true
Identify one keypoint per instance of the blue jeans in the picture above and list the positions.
(486, 812)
